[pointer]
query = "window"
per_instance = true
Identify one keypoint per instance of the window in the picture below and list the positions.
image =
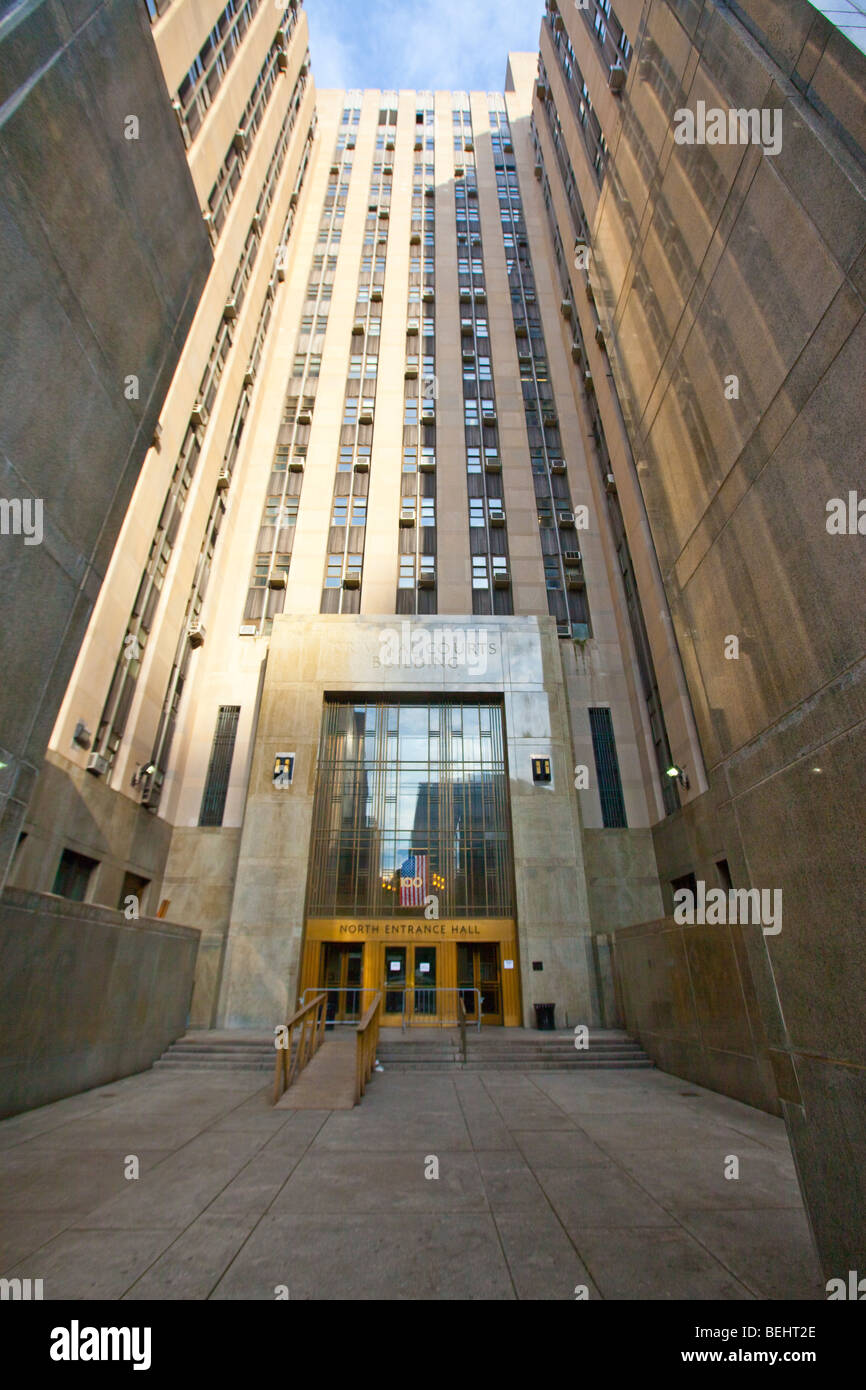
(440, 767)
(479, 572)
(607, 767)
(428, 511)
(217, 780)
(334, 572)
(407, 572)
(476, 511)
(74, 872)
(340, 512)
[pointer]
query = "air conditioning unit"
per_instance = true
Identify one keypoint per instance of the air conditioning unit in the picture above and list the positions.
(296, 464)
(468, 355)
(352, 581)
(304, 417)
(376, 294)
(538, 170)
(247, 630)
(97, 765)
(599, 336)
(501, 579)
(459, 171)
(426, 464)
(281, 273)
(407, 518)
(198, 416)
(492, 463)
(249, 376)
(476, 241)
(230, 310)
(465, 296)
(508, 147)
(256, 223)
(281, 38)
(590, 292)
(387, 168)
(157, 436)
(415, 239)
(366, 417)
(467, 328)
(305, 67)
(559, 24)
(574, 582)
(224, 478)
(196, 634)
(282, 61)
(481, 296)
(358, 328)
(616, 78)
(580, 632)
(428, 417)
(389, 144)
(524, 356)
(497, 516)
(557, 466)
(469, 146)
(572, 557)
(576, 352)
(362, 465)
(411, 373)
(419, 144)
(542, 91)
(277, 581)
(521, 330)
(472, 192)
(609, 483)
(412, 326)
(565, 520)
(384, 214)
(588, 383)
(489, 417)
(426, 577)
(429, 296)
(565, 308)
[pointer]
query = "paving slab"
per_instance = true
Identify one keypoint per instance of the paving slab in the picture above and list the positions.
(547, 1181)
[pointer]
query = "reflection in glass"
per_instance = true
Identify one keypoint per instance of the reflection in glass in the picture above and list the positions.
(403, 780)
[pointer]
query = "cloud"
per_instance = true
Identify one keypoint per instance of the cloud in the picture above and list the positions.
(457, 45)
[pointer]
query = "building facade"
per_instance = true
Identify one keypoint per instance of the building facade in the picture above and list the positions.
(703, 170)
(500, 416)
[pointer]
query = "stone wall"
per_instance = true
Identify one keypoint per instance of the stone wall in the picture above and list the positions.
(686, 994)
(85, 995)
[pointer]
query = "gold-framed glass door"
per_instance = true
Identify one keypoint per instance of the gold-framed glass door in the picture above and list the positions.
(478, 974)
(342, 968)
(394, 985)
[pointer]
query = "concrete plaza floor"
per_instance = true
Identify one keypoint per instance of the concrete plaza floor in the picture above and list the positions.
(546, 1181)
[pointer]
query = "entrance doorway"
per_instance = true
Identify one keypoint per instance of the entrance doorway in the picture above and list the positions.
(478, 970)
(410, 985)
(342, 970)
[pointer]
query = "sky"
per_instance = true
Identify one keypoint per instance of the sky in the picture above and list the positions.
(459, 45)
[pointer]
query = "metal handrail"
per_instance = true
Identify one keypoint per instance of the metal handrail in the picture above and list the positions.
(338, 989)
(366, 1043)
(437, 989)
(290, 1062)
(461, 1019)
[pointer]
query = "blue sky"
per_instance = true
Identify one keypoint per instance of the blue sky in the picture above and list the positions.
(450, 44)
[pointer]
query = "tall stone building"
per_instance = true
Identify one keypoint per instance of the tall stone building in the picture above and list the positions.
(714, 276)
(500, 416)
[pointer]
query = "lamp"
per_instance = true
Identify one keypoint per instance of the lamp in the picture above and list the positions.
(674, 771)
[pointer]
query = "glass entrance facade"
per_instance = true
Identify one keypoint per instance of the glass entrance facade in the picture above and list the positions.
(411, 803)
(411, 878)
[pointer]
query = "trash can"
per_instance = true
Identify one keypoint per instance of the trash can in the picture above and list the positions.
(544, 1018)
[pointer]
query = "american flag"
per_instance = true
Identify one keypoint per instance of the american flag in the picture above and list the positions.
(413, 880)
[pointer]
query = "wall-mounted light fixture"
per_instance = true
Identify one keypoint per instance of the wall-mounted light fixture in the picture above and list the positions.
(679, 774)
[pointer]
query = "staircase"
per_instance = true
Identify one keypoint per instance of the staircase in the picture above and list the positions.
(512, 1050)
(220, 1051)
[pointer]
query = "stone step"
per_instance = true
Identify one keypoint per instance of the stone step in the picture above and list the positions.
(444, 1068)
